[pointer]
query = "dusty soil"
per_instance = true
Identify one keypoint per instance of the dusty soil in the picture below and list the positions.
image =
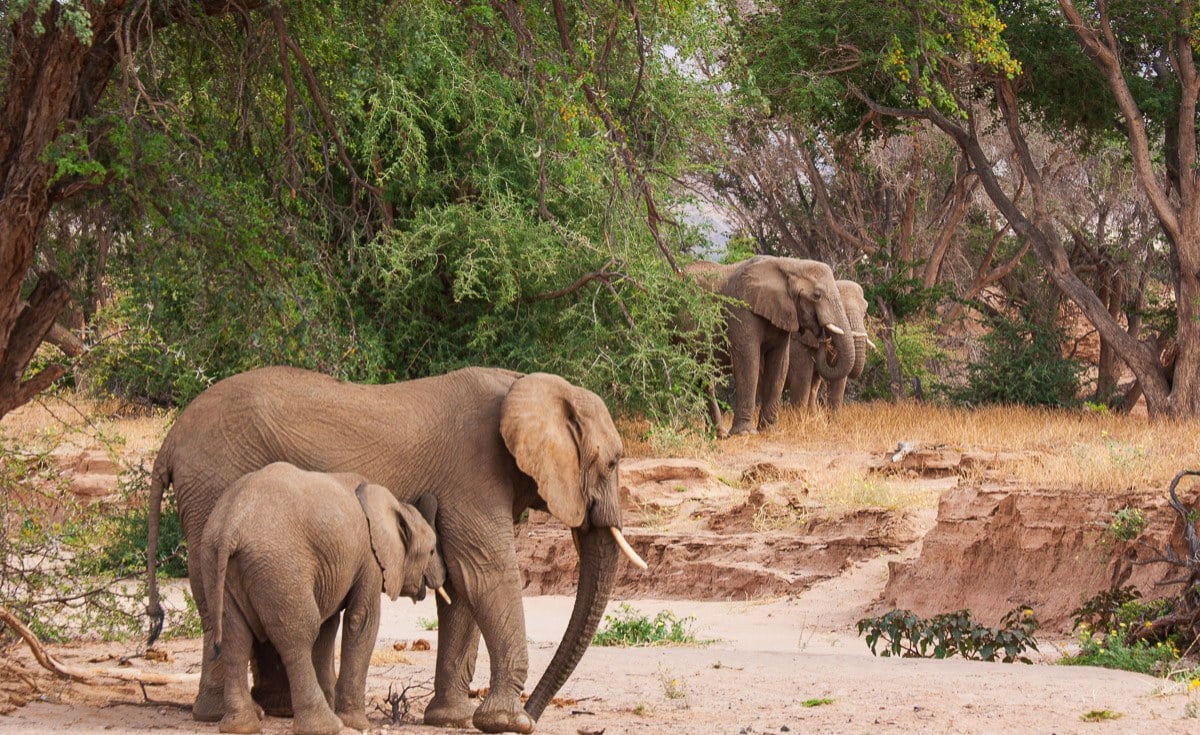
(776, 566)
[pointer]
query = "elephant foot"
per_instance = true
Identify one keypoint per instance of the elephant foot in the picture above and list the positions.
(245, 721)
(321, 722)
(209, 706)
(274, 702)
(745, 428)
(355, 720)
(492, 717)
(445, 714)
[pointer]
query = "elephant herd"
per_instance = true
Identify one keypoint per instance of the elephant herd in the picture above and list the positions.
(789, 324)
(303, 498)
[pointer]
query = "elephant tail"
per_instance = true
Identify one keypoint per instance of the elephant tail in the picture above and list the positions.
(222, 548)
(160, 478)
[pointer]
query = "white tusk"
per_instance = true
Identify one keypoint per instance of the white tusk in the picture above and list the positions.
(442, 594)
(868, 339)
(638, 561)
(575, 540)
(835, 329)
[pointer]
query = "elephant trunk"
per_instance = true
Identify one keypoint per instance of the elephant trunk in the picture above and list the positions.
(860, 355)
(844, 345)
(598, 553)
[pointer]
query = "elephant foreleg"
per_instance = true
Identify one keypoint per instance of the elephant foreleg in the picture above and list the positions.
(774, 371)
(272, 689)
(458, 649)
(495, 598)
(836, 393)
(323, 656)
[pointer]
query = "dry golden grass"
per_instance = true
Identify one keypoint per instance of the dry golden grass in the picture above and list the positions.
(69, 419)
(1077, 449)
(1087, 450)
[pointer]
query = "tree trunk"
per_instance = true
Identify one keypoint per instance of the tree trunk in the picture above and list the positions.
(54, 81)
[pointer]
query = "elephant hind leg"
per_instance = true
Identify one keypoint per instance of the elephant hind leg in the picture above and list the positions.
(241, 715)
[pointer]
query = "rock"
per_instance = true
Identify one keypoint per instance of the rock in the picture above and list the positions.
(994, 548)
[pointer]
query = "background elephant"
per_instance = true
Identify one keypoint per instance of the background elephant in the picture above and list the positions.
(803, 383)
(487, 443)
(775, 298)
(283, 552)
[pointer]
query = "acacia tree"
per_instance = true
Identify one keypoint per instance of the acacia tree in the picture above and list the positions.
(1122, 69)
(61, 57)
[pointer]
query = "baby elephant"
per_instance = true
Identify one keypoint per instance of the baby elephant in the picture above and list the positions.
(283, 553)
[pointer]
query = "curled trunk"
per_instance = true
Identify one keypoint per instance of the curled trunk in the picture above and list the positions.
(840, 368)
(597, 572)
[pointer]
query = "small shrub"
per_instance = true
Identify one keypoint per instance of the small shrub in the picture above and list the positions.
(428, 623)
(1101, 611)
(1127, 524)
(1100, 715)
(51, 574)
(952, 634)
(817, 702)
(1110, 650)
(1022, 362)
(629, 627)
(917, 351)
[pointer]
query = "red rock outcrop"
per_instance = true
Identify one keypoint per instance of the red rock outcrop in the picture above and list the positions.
(995, 548)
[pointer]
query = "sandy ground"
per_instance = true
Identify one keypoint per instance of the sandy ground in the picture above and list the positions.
(766, 660)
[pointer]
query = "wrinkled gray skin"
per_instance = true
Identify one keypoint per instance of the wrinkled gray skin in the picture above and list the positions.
(284, 552)
(487, 443)
(803, 383)
(775, 298)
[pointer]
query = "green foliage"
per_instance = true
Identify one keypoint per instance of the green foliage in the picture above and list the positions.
(951, 634)
(895, 283)
(918, 353)
(1022, 362)
(1103, 610)
(1100, 715)
(1112, 650)
(428, 623)
(630, 627)
(816, 702)
(70, 569)
(465, 206)
(1127, 524)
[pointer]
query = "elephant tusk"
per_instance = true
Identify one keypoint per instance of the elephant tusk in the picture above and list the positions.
(442, 593)
(638, 561)
(575, 540)
(868, 339)
(835, 329)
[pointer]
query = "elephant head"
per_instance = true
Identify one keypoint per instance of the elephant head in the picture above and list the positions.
(563, 437)
(798, 295)
(403, 543)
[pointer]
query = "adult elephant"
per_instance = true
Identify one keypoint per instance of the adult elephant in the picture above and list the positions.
(772, 299)
(487, 443)
(803, 381)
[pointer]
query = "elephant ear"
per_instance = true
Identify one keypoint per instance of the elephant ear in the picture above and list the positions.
(763, 285)
(542, 431)
(389, 527)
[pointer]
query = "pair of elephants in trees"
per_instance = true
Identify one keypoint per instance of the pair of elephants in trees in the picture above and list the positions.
(284, 552)
(486, 444)
(789, 322)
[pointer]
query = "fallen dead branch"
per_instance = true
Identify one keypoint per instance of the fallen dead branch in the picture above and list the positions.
(81, 674)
